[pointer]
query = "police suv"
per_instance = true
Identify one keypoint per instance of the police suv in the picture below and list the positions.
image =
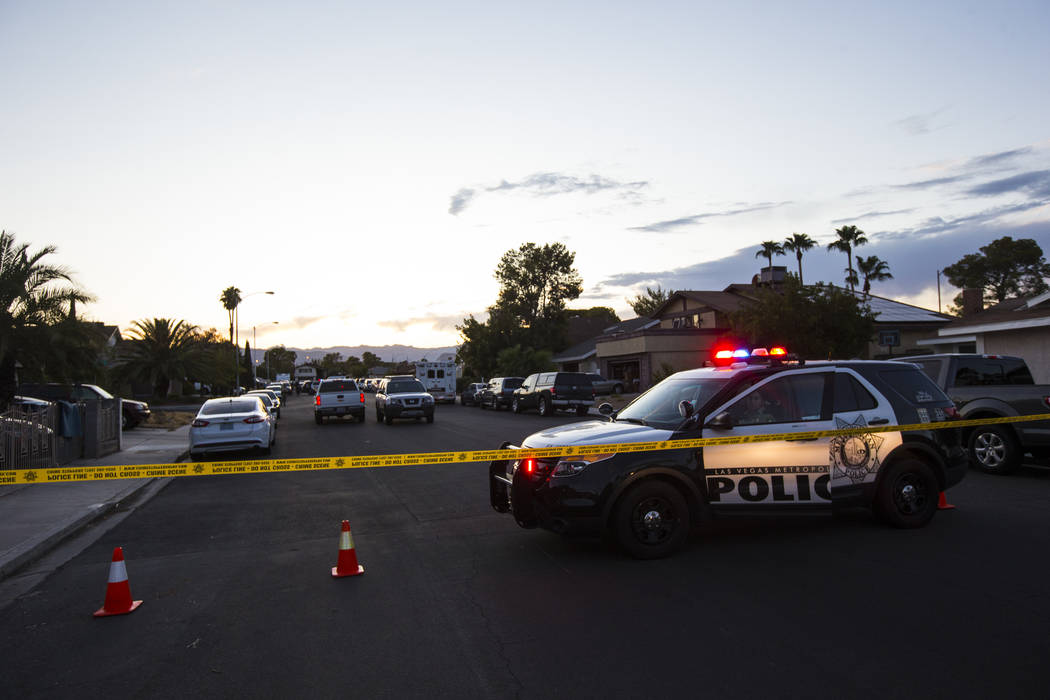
(649, 500)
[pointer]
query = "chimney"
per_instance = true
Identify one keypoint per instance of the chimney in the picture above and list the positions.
(972, 301)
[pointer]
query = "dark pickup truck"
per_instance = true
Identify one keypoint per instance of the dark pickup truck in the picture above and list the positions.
(993, 386)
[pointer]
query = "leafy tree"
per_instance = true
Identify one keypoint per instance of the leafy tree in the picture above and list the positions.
(246, 366)
(1004, 268)
(34, 298)
(768, 250)
(160, 351)
(332, 364)
(797, 318)
(645, 305)
(849, 238)
(231, 299)
(280, 359)
(798, 244)
(519, 361)
(872, 269)
(370, 360)
(355, 367)
(535, 284)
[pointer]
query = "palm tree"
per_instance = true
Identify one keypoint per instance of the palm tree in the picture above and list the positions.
(798, 244)
(162, 350)
(230, 298)
(873, 269)
(849, 238)
(769, 249)
(34, 297)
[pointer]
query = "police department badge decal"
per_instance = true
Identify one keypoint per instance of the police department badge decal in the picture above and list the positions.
(854, 456)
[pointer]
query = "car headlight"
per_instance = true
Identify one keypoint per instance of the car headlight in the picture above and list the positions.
(428, 399)
(570, 466)
(396, 402)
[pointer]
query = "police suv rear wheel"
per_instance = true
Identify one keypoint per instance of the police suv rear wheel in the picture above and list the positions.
(907, 496)
(652, 520)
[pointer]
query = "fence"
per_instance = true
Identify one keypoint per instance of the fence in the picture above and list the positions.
(36, 438)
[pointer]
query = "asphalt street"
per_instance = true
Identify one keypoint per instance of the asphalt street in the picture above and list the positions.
(457, 601)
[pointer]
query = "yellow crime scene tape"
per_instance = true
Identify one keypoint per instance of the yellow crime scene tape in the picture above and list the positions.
(269, 466)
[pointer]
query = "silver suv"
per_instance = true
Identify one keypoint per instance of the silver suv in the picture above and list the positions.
(403, 397)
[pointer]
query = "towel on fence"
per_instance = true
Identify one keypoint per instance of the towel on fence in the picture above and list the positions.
(69, 420)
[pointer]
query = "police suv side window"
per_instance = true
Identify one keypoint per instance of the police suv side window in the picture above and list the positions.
(850, 395)
(784, 400)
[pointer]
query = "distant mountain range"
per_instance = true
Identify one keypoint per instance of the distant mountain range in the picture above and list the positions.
(387, 353)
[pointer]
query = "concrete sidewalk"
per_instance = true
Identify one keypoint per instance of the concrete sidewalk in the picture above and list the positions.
(34, 518)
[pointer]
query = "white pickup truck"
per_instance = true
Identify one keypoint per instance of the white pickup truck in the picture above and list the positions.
(339, 397)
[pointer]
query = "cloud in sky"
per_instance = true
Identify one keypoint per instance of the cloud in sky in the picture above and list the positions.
(1036, 184)
(438, 322)
(547, 184)
(919, 124)
(692, 220)
(871, 215)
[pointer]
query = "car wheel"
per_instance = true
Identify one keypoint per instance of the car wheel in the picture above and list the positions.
(652, 520)
(318, 418)
(481, 404)
(388, 420)
(543, 406)
(581, 410)
(515, 407)
(430, 419)
(618, 389)
(907, 494)
(994, 450)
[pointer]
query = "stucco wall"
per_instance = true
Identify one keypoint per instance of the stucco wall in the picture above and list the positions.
(1033, 344)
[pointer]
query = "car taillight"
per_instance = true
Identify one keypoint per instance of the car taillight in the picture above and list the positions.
(198, 423)
(554, 391)
(951, 413)
(362, 397)
(529, 465)
(254, 419)
(317, 400)
(1046, 400)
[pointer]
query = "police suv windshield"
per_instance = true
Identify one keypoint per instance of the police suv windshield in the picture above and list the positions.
(658, 407)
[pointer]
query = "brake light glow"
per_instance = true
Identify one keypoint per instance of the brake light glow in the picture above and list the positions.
(317, 400)
(254, 419)
(199, 423)
(362, 397)
(529, 465)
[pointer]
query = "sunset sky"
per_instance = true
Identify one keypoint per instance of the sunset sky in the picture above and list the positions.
(371, 162)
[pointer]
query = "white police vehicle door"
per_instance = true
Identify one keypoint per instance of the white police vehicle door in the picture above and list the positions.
(789, 472)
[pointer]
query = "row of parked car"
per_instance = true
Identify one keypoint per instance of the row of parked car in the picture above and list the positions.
(544, 392)
(235, 423)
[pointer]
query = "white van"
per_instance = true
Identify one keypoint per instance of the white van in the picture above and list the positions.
(439, 378)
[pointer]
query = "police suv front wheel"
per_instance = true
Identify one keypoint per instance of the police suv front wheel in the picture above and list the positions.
(907, 495)
(652, 520)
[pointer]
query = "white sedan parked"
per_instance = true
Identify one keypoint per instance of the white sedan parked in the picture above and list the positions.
(232, 424)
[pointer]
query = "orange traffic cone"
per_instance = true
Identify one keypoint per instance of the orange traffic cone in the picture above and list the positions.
(942, 503)
(347, 564)
(118, 592)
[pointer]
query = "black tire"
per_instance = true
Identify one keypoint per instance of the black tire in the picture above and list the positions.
(581, 410)
(481, 404)
(318, 418)
(515, 407)
(652, 520)
(543, 406)
(994, 449)
(907, 494)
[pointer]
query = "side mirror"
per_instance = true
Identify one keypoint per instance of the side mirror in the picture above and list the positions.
(720, 422)
(685, 409)
(606, 409)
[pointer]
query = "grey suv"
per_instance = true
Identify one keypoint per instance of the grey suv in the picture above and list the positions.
(403, 397)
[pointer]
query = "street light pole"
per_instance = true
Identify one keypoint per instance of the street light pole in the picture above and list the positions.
(236, 351)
